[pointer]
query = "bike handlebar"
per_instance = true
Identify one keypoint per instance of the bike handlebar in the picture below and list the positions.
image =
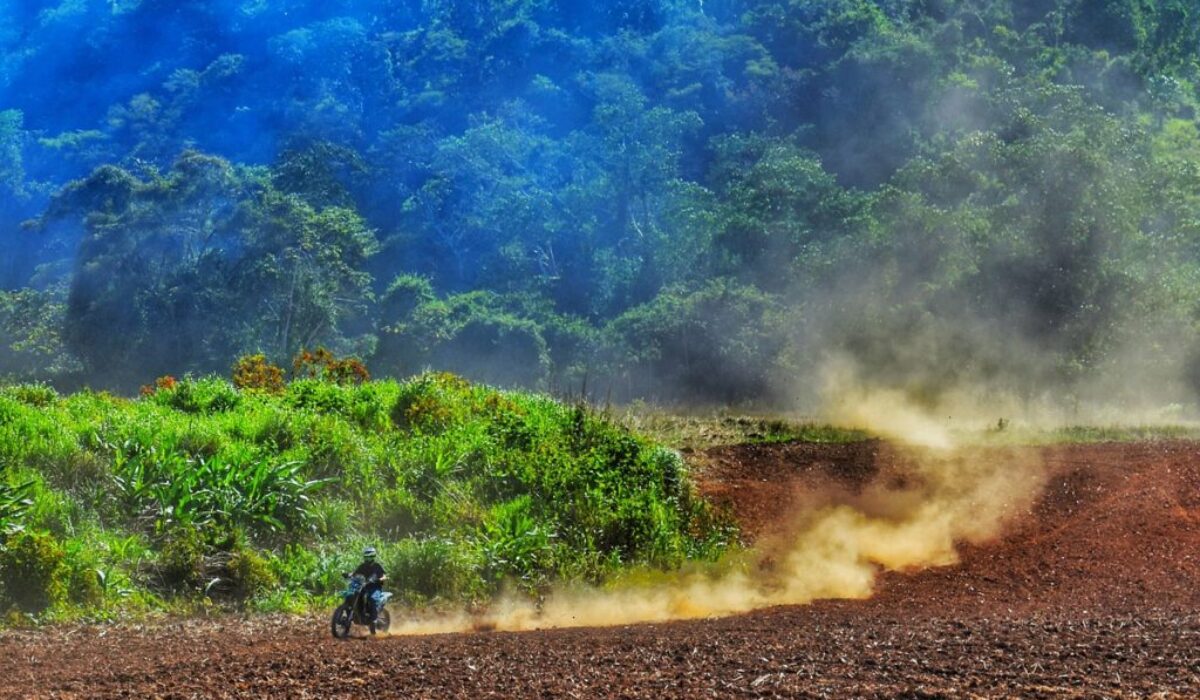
(373, 579)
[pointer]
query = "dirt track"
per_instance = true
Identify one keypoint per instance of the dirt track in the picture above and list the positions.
(1095, 593)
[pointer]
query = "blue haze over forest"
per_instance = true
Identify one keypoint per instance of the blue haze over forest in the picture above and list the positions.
(697, 200)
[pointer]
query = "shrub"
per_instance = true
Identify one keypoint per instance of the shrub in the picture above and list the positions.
(431, 402)
(207, 395)
(121, 559)
(673, 472)
(32, 568)
(322, 364)
(312, 570)
(35, 438)
(15, 501)
(84, 573)
(371, 406)
(400, 513)
(515, 544)
(334, 449)
(36, 395)
(181, 560)
(227, 489)
(256, 373)
(332, 519)
(201, 440)
(249, 574)
(297, 567)
(320, 396)
(275, 429)
(164, 383)
(435, 567)
(55, 511)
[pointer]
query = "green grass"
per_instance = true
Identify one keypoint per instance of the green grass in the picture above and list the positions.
(702, 431)
(201, 494)
(1085, 434)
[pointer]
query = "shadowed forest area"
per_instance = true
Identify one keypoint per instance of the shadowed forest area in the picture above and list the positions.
(676, 200)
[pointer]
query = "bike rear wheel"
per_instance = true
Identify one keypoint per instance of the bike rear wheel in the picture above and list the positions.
(383, 621)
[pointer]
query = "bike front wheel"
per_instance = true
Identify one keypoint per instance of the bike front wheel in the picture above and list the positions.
(343, 618)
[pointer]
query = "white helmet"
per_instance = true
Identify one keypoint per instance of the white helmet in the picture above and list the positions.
(369, 553)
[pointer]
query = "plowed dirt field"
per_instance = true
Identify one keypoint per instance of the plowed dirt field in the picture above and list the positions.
(1093, 593)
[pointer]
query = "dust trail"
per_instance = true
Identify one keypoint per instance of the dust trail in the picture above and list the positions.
(929, 494)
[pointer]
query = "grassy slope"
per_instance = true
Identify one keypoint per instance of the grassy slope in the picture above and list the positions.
(200, 492)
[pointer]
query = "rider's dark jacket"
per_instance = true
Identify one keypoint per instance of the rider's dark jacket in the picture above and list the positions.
(367, 569)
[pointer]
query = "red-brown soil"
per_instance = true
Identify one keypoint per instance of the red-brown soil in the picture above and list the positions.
(1116, 527)
(1093, 593)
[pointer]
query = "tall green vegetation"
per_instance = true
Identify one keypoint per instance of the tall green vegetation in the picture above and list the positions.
(199, 490)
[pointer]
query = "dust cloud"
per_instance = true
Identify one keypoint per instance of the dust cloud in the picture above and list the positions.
(929, 493)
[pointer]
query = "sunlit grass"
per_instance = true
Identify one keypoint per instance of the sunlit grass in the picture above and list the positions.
(698, 431)
(199, 494)
(701, 431)
(1083, 434)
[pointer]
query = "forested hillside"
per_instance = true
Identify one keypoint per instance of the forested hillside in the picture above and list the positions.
(699, 200)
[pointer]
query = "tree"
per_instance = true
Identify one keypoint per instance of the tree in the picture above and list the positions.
(31, 345)
(719, 343)
(471, 334)
(780, 210)
(191, 269)
(305, 276)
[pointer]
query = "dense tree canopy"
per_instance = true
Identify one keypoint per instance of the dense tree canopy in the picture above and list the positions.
(670, 199)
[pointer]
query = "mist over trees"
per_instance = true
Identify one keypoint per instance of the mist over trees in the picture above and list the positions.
(670, 199)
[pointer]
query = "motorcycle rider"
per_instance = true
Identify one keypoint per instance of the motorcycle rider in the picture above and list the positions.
(373, 572)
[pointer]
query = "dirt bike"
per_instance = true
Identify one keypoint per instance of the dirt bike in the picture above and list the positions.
(355, 609)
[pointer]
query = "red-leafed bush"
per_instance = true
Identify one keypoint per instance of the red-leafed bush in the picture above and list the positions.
(256, 372)
(323, 364)
(165, 383)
